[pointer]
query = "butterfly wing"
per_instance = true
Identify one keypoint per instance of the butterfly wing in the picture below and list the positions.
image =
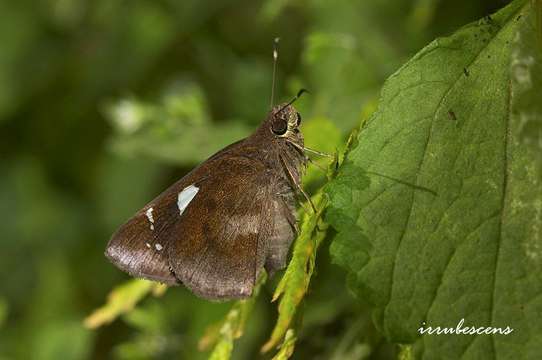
(221, 239)
(136, 249)
(284, 231)
(208, 232)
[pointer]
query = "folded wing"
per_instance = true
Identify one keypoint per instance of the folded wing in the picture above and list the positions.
(209, 231)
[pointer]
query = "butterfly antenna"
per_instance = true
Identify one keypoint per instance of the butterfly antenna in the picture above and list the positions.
(275, 60)
(298, 95)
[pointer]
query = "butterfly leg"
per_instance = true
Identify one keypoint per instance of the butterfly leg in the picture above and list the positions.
(303, 149)
(296, 183)
(288, 201)
(317, 152)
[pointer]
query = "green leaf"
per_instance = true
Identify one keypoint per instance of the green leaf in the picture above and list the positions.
(295, 282)
(122, 300)
(439, 205)
(287, 347)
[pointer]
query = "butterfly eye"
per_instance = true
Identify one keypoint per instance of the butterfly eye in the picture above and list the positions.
(298, 119)
(279, 127)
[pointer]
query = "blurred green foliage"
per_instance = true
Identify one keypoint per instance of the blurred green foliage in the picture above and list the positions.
(105, 103)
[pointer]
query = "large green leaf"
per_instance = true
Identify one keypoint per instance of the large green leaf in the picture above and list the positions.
(439, 207)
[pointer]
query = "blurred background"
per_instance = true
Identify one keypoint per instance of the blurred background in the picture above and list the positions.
(105, 103)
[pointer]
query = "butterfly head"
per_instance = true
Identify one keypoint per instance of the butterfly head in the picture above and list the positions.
(284, 121)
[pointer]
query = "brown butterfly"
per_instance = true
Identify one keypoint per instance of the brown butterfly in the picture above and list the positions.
(232, 216)
(219, 226)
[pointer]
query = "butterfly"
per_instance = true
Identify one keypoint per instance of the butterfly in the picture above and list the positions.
(232, 216)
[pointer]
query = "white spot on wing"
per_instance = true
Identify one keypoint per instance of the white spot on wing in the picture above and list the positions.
(158, 246)
(148, 245)
(185, 197)
(150, 217)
